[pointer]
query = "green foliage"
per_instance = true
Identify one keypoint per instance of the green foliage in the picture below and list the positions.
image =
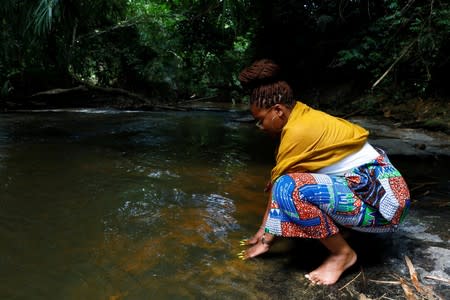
(190, 47)
(42, 16)
(176, 49)
(410, 37)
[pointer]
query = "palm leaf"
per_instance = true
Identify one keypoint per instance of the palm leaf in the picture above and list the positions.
(41, 17)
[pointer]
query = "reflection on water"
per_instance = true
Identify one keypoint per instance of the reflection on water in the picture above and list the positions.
(134, 206)
(125, 205)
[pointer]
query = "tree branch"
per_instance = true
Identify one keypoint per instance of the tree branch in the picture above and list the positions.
(404, 52)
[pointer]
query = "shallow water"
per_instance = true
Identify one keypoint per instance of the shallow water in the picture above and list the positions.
(138, 205)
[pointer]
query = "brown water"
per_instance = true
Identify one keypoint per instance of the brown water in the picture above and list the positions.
(139, 205)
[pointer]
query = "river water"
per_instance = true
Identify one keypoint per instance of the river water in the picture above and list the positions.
(152, 205)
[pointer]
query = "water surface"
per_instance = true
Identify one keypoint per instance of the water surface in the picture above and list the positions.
(140, 205)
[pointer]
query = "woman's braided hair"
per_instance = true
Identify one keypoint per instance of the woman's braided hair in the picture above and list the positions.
(267, 89)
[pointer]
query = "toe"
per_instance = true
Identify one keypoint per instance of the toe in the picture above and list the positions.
(314, 279)
(310, 278)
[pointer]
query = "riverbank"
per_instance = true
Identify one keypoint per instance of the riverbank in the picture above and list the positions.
(432, 114)
(418, 128)
(399, 133)
(397, 139)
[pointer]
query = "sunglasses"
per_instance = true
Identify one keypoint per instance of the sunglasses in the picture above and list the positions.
(260, 122)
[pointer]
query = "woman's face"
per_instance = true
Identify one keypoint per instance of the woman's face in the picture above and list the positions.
(272, 119)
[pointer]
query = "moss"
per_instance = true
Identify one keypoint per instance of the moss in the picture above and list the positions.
(437, 124)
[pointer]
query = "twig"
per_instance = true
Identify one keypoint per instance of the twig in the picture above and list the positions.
(364, 279)
(405, 50)
(60, 91)
(424, 290)
(386, 297)
(197, 99)
(431, 13)
(437, 278)
(385, 282)
(413, 275)
(350, 281)
(349, 291)
(363, 297)
(409, 295)
(120, 25)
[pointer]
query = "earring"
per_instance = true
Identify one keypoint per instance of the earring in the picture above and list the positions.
(271, 124)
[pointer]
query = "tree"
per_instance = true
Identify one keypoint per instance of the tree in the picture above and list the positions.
(177, 49)
(404, 47)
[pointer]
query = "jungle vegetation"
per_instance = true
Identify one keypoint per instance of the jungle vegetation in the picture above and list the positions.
(175, 50)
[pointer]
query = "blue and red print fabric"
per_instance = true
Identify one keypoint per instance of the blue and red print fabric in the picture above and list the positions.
(372, 198)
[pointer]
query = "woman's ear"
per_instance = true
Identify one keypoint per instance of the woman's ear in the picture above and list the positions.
(279, 110)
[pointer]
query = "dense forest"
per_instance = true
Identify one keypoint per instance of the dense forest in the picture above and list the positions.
(166, 51)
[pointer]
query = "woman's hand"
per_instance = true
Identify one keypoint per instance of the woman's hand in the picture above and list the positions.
(262, 245)
(255, 239)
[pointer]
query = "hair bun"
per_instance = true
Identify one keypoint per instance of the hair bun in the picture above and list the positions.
(260, 72)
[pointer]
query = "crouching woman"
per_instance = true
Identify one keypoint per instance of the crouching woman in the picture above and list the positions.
(326, 175)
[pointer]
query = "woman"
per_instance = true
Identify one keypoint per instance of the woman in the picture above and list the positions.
(326, 175)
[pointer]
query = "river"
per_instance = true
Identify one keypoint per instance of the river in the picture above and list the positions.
(102, 204)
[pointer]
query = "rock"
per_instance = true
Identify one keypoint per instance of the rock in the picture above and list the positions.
(405, 141)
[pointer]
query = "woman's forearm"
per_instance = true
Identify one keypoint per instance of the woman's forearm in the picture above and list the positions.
(266, 214)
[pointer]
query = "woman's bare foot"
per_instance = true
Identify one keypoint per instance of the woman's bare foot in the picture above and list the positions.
(342, 257)
(260, 247)
(332, 268)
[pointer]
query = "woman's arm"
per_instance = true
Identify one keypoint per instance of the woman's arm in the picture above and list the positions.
(259, 234)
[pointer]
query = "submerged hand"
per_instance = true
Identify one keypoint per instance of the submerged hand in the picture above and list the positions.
(253, 240)
(261, 246)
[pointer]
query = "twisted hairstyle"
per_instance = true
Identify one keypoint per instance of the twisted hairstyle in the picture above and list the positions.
(266, 88)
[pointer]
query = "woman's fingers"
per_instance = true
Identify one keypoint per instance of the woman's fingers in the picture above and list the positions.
(241, 255)
(243, 242)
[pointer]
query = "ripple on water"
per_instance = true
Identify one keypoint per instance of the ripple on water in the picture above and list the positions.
(162, 174)
(219, 212)
(133, 219)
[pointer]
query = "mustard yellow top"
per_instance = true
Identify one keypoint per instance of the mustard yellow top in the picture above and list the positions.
(312, 140)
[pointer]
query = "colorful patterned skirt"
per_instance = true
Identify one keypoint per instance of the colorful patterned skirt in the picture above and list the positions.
(372, 198)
